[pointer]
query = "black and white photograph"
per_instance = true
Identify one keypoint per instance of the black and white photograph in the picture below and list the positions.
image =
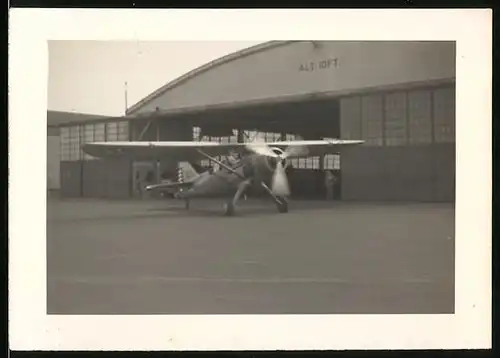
(269, 178)
(288, 177)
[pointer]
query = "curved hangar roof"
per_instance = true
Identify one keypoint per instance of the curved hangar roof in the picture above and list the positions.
(280, 69)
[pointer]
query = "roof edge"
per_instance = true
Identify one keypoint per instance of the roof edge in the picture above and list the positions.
(57, 118)
(203, 68)
(76, 113)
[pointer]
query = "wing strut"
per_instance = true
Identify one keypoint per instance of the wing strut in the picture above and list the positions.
(145, 129)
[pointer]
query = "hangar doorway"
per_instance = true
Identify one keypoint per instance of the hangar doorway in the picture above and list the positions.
(309, 118)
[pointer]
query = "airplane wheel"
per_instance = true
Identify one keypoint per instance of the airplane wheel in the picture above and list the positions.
(228, 209)
(283, 207)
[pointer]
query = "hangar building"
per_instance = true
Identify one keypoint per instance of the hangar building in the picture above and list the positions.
(397, 96)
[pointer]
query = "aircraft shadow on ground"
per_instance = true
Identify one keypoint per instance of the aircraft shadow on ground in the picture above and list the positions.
(213, 209)
(263, 208)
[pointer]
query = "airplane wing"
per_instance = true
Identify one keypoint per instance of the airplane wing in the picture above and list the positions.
(315, 147)
(189, 150)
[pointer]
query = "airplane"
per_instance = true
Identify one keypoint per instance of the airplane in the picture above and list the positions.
(254, 162)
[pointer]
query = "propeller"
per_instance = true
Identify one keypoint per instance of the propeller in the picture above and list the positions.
(279, 183)
(259, 146)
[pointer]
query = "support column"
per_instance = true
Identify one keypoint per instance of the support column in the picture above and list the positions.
(157, 166)
(144, 130)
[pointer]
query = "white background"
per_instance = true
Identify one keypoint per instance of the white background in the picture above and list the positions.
(31, 328)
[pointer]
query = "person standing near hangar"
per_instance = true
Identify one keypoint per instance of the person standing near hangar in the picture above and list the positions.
(330, 181)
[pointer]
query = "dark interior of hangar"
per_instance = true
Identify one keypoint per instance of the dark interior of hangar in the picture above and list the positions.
(310, 119)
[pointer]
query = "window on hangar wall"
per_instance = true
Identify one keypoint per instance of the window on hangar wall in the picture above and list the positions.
(99, 132)
(196, 133)
(88, 136)
(305, 163)
(222, 139)
(74, 146)
(111, 131)
(362, 117)
(444, 114)
(423, 117)
(331, 162)
(406, 117)
(64, 144)
(419, 117)
(117, 131)
(371, 119)
(395, 107)
(72, 138)
(350, 117)
(92, 132)
(123, 130)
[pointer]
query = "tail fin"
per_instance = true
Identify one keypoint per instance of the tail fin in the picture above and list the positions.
(186, 172)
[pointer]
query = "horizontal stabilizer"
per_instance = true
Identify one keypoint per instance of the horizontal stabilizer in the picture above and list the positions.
(171, 185)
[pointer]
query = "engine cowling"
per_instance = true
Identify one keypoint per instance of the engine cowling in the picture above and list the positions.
(271, 162)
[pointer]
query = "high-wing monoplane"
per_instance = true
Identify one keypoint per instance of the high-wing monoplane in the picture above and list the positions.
(256, 162)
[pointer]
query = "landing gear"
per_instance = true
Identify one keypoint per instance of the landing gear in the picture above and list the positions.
(229, 206)
(280, 201)
(187, 203)
(282, 205)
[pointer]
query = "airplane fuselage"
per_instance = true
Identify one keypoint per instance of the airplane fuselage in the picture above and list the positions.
(224, 182)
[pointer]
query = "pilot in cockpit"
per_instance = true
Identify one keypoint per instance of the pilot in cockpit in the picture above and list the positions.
(233, 157)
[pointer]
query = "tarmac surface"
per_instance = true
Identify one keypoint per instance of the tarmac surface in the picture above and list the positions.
(154, 257)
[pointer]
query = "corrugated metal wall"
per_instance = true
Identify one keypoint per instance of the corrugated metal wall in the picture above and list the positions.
(418, 173)
(71, 179)
(444, 161)
(53, 163)
(94, 185)
(109, 179)
(118, 178)
(409, 150)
